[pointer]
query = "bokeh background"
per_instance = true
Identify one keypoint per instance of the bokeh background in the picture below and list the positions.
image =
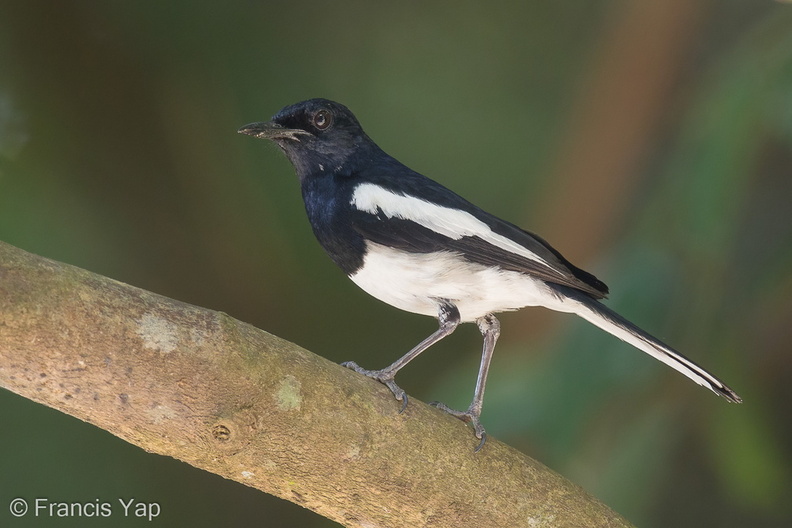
(651, 142)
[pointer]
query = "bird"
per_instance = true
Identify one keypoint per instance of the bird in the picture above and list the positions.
(411, 242)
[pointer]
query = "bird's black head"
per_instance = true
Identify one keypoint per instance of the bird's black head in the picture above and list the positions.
(318, 136)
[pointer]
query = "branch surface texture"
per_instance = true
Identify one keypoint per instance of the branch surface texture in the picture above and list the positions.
(223, 396)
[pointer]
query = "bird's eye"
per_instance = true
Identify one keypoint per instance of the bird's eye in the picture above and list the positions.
(322, 119)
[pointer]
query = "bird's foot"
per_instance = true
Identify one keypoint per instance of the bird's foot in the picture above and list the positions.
(383, 376)
(471, 417)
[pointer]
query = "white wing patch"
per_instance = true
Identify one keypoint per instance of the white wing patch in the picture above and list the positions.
(452, 223)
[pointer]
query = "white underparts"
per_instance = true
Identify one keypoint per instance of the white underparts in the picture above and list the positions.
(420, 282)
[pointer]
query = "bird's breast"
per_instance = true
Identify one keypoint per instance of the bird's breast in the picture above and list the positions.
(328, 213)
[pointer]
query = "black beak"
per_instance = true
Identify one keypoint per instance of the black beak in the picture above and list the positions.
(272, 130)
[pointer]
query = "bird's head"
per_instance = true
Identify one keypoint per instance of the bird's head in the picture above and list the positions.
(318, 136)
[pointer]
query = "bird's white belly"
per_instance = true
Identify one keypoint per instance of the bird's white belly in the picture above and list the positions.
(420, 282)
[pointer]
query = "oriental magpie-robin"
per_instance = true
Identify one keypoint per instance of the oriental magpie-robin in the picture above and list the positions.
(414, 244)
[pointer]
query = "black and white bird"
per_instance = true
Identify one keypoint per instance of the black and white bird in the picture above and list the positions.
(418, 246)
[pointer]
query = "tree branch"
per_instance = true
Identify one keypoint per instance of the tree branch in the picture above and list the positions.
(228, 398)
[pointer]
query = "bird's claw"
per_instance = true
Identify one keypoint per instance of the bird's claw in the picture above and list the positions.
(384, 377)
(469, 417)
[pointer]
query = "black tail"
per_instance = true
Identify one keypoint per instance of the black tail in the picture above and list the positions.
(600, 315)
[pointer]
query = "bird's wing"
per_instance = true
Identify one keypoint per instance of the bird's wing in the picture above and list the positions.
(399, 220)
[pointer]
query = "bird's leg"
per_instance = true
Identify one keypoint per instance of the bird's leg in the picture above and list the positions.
(448, 317)
(490, 329)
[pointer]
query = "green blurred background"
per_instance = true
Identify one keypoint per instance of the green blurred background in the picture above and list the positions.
(651, 142)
